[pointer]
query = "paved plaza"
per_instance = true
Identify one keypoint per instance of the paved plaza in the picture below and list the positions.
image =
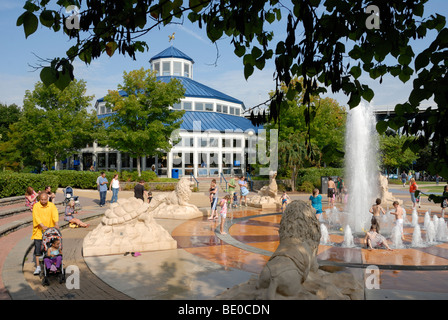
(206, 263)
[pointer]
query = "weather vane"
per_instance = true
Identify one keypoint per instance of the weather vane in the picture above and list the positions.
(171, 37)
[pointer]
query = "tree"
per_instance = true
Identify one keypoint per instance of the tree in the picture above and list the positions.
(8, 115)
(392, 156)
(339, 43)
(53, 124)
(142, 122)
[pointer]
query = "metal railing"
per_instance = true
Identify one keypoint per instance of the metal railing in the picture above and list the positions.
(221, 178)
(193, 177)
(251, 182)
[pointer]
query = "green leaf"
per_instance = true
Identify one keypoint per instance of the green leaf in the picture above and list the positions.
(248, 70)
(46, 18)
(368, 94)
(355, 71)
(381, 126)
(63, 80)
(48, 76)
(422, 60)
(29, 21)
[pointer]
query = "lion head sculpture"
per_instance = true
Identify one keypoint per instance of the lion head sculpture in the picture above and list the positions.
(295, 257)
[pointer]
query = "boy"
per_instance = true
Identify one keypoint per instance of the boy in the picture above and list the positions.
(376, 208)
(235, 200)
(398, 217)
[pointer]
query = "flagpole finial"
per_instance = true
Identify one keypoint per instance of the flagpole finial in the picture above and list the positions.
(171, 37)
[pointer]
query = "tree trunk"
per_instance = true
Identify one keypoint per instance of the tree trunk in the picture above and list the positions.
(139, 166)
(293, 179)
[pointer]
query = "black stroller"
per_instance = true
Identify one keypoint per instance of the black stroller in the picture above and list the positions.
(69, 195)
(48, 236)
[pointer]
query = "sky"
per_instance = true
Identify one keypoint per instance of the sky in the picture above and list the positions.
(19, 56)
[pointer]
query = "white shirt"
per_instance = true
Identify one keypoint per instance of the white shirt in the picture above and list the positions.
(115, 183)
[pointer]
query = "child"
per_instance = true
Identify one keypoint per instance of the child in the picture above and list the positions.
(316, 202)
(284, 198)
(223, 212)
(376, 208)
(69, 216)
(235, 200)
(213, 200)
(374, 239)
(53, 258)
(398, 217)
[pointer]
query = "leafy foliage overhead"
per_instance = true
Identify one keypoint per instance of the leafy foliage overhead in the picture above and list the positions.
(325, 42)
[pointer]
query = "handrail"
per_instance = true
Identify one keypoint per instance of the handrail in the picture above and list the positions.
(251, 182)
(222, 177)
(197, 182)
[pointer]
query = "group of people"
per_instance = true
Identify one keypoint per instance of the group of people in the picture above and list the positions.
(337, 191)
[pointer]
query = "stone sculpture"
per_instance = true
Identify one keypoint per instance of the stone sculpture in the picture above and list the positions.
(386, 197)
(292, 272)
(175, 204)
(267, 195)
(127, 226)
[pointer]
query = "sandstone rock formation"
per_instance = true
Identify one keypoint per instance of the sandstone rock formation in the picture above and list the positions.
(267, 195)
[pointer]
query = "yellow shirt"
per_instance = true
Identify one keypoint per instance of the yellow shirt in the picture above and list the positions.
(47, 215)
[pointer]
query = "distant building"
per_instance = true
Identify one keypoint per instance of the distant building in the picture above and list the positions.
(214, 133)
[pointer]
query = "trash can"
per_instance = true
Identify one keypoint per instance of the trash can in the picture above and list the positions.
(175, 173)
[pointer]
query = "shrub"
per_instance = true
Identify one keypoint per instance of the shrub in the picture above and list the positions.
(314, 175)
(78, 179)
(15, 184)
(307, 187)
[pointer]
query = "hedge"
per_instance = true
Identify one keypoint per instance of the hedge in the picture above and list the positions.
(314, 175)
(15, 184)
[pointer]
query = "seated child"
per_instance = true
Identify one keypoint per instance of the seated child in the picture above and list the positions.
(374, 239)
(53, 258)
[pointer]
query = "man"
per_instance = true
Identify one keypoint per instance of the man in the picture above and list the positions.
(139, 190)
(331, 193)
(398, 217)
(45, 215)
(51, 195)
(102, 188)
(404, 178)
(340, 187)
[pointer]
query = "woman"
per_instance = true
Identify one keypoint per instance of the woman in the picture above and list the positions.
(412, 188)
(243, 190)
(69, 215)
(114, 187)
(31, 198)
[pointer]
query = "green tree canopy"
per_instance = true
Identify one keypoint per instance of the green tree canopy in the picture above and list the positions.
(142, 122)
(326, 42)
(53, 125)
(391, 152)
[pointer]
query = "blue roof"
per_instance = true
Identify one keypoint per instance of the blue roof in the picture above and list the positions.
(171, 52)
(216, 121)
(210, 121)
(199, 90)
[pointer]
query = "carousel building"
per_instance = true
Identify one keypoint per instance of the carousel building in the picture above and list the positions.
(214, 134)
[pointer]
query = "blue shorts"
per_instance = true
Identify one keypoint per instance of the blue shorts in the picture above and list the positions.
(413, 197)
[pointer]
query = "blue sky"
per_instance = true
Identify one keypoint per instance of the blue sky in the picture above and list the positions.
(17, 54)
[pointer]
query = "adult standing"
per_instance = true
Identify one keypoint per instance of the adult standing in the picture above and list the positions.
(404, 178)
(412, 188)
(232, 186)
(444, 203)
(31, 197)
(340, 187)
(139, 190)
(45, 215)
(114, 187)
(243, 190)
(331, 191)
(102, 188)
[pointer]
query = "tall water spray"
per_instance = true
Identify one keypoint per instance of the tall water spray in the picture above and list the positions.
(361, 167)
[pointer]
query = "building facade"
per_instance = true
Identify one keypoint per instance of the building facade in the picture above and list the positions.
(215, 137)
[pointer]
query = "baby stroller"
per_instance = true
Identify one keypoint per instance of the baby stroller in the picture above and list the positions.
(48, 237)
(68, 195)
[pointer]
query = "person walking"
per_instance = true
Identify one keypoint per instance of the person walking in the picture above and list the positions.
(114, 187)
(45, 215)
(412, 188)
(444, 203)
(139, 190)
(102, 188)
(404, 178)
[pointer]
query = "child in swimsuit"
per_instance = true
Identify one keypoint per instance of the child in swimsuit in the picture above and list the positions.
(223, 212)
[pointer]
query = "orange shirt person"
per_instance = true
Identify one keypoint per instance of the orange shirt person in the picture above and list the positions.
(412, 188)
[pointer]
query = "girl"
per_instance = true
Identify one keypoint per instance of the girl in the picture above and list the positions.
(53, 258)
(213, 200)
(374, 239)
(114, 187)
(224, 202)
(412, 188)
(284, 198)
(316, 202)
(69, 215)
(31, 198)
